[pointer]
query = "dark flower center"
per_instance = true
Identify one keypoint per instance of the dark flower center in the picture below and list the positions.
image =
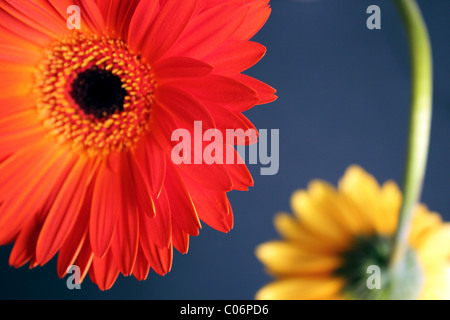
(98, 92)
(94, 94)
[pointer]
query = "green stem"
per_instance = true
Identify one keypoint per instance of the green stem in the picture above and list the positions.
(420, 121)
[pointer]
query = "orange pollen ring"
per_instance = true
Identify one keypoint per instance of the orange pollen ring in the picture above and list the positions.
(67, 121)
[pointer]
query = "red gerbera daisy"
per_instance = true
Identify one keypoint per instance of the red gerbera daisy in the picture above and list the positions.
(86, 117)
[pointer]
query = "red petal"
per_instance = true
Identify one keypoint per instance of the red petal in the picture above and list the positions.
(236, 129)
(12, 143)
(22, 163)
(61, 6)
(212, 206)
(160, 258)
(64, 212)
(91, 15)
(180, 239)
(126, 235)
(143, 17)
(184, 107)
(106, 203)
(14, 83)
(181, 205)
(230, 216)
(16, 21)
(25, 244)
(167, 28)
(202, 173)
(18, 55)
(257, 16)
(265, 92)
(144, 198)
(216, 90)
(118, 15)
(157, 230)
(210, 29)
(13, 105)
(238, 171)
(104, 272)
(142, 266)
(162, 128)
(151, 162)
(249, 126)
(233, 57)
(31, 192)
(12, 37)
(41, 12)
(84, 259)
(78, 239)
(181, 67)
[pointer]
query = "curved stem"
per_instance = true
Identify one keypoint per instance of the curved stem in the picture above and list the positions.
(420, 121)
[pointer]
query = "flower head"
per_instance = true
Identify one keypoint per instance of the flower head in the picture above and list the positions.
(86, 117)
(338, 238)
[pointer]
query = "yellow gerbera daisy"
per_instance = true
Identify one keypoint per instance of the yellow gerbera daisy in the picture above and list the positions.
(339, 236)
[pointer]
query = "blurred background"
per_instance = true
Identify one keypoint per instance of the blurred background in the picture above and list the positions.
(343, 99)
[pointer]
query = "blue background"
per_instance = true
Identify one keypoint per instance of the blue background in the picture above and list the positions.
(343, 99)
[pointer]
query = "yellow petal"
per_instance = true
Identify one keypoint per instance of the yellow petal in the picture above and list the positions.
(363, 192)
(336, 205)
(313, 211)
(290, 229)
(317, 288)
(437, 284)
(390, 202)
(284, 258)
(434, 247)
(423, 223)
